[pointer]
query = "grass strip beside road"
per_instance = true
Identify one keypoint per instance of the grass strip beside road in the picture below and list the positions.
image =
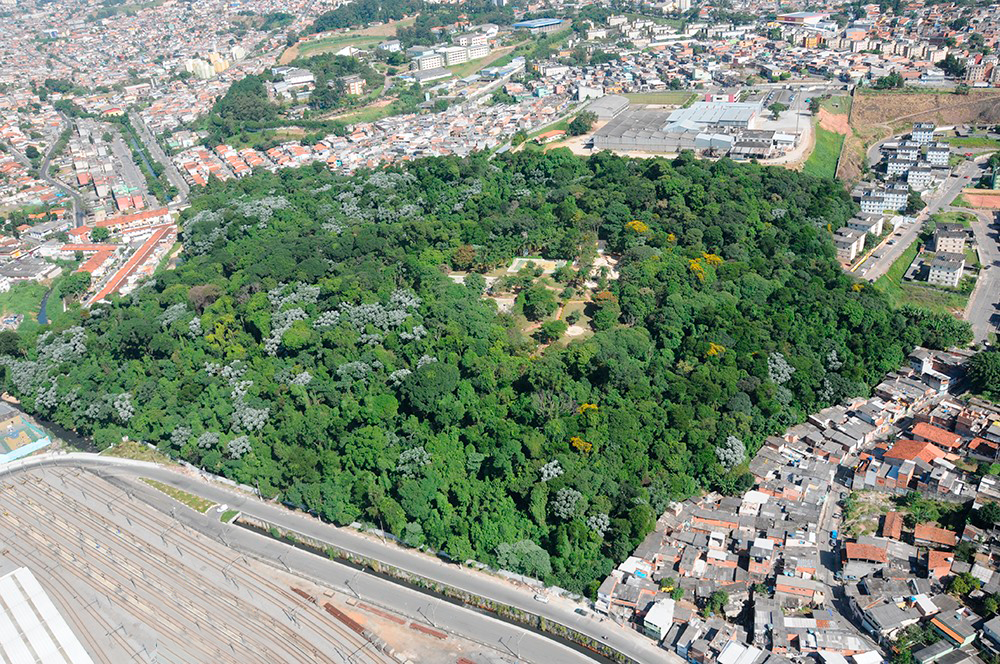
(131, 449)
(194, 502)
(973, 142)
(822, 163)
(890, 282)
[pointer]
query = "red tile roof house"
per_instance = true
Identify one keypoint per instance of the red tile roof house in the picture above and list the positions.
(924, 432)
(865, 552)
(929, 535)
(892, 525)
(913, 450)
(939, 564)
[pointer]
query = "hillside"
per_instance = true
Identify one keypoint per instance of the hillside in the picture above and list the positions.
(876, 115)
(311, 341)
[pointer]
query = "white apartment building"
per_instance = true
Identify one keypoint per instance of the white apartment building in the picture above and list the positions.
(478, 51)
(946, 270)
(937, 155)
(872, 224)
(873, 204)
(896, 195)
(849, 243)
(454, 55)
(923, 132)
(949, 241)
(919, 177)
(898, 166)
(430, 61)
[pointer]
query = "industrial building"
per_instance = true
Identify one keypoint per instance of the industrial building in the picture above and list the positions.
(708, 113)
(34, 630)
(718, 128)
(608, 107)
(540, 25)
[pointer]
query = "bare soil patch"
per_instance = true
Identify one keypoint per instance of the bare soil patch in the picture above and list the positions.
(833, 121)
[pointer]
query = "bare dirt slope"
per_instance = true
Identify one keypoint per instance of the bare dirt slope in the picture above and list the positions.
(979, 106)
(875, 116)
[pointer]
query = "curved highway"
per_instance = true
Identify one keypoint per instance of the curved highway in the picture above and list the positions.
(465, 622)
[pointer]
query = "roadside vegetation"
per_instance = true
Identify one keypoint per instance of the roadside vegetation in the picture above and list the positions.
(183, 497)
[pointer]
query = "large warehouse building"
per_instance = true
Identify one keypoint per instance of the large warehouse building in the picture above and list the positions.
(715, 114)
(540, 25)
(31, 628)
(702, 126)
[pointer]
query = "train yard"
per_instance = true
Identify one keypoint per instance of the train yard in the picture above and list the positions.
(137, 585)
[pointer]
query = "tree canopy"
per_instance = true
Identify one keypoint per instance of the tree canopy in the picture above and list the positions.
(310, 341)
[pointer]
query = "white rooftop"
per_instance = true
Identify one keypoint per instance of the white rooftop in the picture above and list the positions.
(31, 629)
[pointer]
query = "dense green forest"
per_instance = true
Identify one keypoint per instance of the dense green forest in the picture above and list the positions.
(328, 70)
(312, 340)
(360, 13)
(244, 107)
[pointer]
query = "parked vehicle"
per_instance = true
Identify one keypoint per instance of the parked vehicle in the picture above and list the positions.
(541, 598)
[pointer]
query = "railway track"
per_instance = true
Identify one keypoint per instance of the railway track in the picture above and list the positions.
(118, 545)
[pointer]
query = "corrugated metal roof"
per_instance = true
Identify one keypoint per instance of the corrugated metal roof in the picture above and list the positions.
(31, 629)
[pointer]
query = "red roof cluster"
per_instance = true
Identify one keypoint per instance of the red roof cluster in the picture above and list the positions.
(892, 525)
(869, 552)
(936, 435)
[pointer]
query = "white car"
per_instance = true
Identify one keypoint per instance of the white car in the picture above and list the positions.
(541, 598)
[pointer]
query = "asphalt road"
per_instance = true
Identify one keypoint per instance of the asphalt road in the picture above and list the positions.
(154, 149)
(982, 312)
(78, 206)
(130, 172)
(873, 268)
(464, 622)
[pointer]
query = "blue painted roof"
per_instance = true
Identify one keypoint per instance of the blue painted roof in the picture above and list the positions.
(537, 23)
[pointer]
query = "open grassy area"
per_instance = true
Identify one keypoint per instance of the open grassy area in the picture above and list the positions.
(471, 67)
(954, 217)
(330, 44)
(917, 294)
(183, 497)
(368, 114)
(972, 257)
(667, 97)
(973, 142)
(841, 104)
(933, 299)
(889, 283)
(823, 160)
(228, 516)
(24, 298)
(131, 449)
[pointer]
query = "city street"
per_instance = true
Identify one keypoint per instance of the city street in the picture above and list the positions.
(444, 615)
(981, 311)
(78, 206)
(154, 149)
(874, 267)
(131, 174)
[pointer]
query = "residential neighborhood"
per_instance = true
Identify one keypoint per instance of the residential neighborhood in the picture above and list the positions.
(826, 555)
